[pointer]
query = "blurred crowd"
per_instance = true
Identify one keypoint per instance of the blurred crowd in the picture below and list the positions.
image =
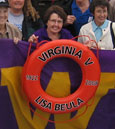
(38, 20)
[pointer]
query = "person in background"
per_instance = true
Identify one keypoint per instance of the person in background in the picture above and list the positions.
(7, 30)
(99, 29)
(111, 15)
(24, 16)
(54, 19)
(80, 9)
(15, 13)
(42, 5)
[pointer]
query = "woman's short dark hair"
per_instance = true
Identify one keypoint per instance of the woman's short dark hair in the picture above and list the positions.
(95, 3)
(55, 9)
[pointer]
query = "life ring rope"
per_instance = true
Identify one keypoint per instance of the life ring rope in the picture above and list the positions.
(64, 121)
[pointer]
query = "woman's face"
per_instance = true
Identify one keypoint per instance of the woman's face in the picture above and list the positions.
(3, 15)
(16, 4)
(100, 15)
(55, 23)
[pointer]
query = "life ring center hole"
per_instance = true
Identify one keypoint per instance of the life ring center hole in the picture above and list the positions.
(61, 77)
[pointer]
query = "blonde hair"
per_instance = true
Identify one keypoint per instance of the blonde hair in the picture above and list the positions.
(29, 10)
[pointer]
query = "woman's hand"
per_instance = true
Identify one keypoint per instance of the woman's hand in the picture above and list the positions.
(16, 40)
(70, 19)
(91, 44)
(33, 39)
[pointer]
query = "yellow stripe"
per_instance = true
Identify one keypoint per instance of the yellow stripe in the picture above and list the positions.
(12, 78)
(59, 85)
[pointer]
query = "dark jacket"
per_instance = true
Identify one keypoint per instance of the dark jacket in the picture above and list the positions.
(42, 5)
(29, 27)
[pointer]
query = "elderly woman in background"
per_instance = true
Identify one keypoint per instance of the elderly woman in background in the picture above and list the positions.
(54, 19)
(7, 30)
(100, 28)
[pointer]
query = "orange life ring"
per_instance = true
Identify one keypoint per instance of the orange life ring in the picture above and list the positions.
(61, 48)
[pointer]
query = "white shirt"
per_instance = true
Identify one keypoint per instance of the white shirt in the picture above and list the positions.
(105, 41)
(16, 20)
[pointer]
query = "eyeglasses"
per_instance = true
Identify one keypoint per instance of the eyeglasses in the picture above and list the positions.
(56, 21)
